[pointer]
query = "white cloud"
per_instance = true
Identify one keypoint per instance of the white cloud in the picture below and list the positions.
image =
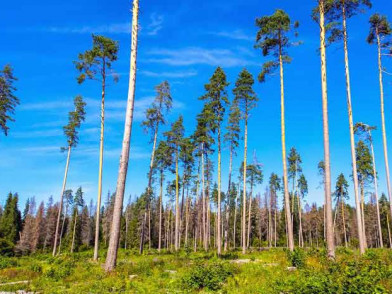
(197, 55)
(175, 74)
(38, 134)
(236, 35)
(115, 28)
(155, 25)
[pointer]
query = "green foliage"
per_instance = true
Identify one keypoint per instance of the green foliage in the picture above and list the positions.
(8, 101)
(380, 29)
(6, 247)
(7, 262)
(11, 220)
(297, 257)
(75, 118)
(209, 276)
(98, 59)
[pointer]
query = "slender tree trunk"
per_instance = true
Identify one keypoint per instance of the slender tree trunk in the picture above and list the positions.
(244, 187)
(289, 223)
(235, 216)
(149, 190)
(376, 192)
(160, 213)
(177, 224)
(61, 201)
(389, 232)
(74, 232)
(126, 228)
(218, 238)
(270, 220)
(361, 233)
(227, 226)
(111, 258)
(275, 213)
(301, 237)
(98, 212)
(327, 176)
(363, 212)
(249, 216)
(344, 224)
(384, 135)
(62, 228)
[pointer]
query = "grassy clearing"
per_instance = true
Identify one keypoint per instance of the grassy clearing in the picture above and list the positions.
(256, 272)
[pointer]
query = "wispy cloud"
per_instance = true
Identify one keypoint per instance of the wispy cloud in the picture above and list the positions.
(115, 28)
(38, 134)
(236, 35)
(167, 74)
(197, 55)
(155, 24)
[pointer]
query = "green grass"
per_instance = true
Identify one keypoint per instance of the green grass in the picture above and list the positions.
(265, 272)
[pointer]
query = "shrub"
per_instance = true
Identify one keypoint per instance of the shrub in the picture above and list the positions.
(208, 276)
(7, 263)
(297, 257)
(6, 247)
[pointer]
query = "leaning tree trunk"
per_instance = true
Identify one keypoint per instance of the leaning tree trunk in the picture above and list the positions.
(361, 233)
(384, 135)
(244, 187)
(327, 176)
(62, 227)
(111, 258)
(289, 223)
(61, 201)
(98, 212)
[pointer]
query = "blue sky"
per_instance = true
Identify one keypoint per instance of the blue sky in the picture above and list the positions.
(182, 42)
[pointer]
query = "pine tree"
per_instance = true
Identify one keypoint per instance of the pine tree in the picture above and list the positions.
(71, 131)
(380, 33)
(174, 139)
(216, 99)
(247, 100)
(11, 220)
(341, 194)
(155, 116)
(273, 39)
(8, 100)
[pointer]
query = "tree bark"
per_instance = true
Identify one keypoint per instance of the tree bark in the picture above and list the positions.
(98, 213)
(361, 233)
(244, 187)
(289, 224)
(111, 258)
(327, 176)
(61, 201)
(384, 135)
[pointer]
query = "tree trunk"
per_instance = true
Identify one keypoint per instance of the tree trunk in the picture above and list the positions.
(327, 176)
(344, 224)
(389, 232)
(218, 237)
(301, 237)
(244, 187)
(98, 212)
(361, 233)
(289, 224)
(363, 212)
(235, 216)
(74, 232)
(160, 213)
(384, 135)
(177, 224)
(61, 201)
(227, 225)
(249, 216)
(111, 258)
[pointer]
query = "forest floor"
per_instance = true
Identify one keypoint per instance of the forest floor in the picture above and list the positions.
(265, 271)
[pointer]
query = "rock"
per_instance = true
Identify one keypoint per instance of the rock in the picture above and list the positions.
(131, 277)
(291, 268)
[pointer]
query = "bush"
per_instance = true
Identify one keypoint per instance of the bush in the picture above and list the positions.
(7, 263)
(297, 257)
(6, 247)
(208, 276)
